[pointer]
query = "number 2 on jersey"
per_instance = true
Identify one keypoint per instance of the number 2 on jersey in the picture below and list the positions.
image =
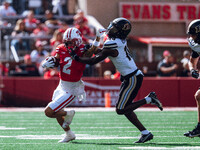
(67, 65)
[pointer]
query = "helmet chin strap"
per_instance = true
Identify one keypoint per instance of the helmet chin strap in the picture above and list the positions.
(66, 45)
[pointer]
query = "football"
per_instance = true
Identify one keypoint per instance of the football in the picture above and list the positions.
(50, 62)
(53, 59)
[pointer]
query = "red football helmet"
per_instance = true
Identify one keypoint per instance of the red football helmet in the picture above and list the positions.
(72, 38)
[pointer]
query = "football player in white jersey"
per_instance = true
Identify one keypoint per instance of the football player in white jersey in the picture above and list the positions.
(115, 48)
(193, 32)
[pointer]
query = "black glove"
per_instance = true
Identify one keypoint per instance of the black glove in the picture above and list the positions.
(87, 46)
(194, 73)
(73, 55)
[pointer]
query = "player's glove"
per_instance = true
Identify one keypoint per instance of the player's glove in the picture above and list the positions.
(49, 62)
(194, 73)
(73, 55)
(87, 46)
(100, 32)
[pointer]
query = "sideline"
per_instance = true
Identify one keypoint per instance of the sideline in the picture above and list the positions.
(97, 109)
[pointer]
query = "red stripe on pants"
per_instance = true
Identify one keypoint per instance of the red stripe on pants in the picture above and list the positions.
(63, 103)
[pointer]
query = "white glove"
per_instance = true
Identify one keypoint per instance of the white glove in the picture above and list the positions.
(100, 32)
(48, 62)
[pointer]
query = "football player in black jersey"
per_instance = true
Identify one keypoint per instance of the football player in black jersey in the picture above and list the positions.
(115, 48)
(193, 32)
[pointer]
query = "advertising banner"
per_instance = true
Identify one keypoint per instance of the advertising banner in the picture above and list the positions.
(159, 11)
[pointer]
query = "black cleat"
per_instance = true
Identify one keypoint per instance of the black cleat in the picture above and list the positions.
(155, 100)
(145, 137)
(194, 133)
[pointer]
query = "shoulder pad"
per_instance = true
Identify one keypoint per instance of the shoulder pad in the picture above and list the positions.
(110, 44)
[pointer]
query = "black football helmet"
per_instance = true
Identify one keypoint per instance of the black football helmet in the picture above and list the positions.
(119, 28)
(194, 29)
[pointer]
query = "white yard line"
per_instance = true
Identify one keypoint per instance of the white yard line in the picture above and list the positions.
(8, 128)
(80, 137)
(102, 137)
(99, 109)
(160, 148)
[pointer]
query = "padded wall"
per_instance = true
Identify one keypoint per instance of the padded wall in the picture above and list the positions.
(37, 92)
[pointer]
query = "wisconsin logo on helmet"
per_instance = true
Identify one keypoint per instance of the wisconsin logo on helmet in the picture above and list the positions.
(72, 36)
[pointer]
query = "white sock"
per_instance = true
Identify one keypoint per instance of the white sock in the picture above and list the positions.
(145, 132)
(148, 100)
(69, 112)
(68, 132)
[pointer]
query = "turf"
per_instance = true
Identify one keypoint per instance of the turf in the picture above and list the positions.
(97, 131)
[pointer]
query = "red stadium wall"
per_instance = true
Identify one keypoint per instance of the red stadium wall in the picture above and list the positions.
(37, 92)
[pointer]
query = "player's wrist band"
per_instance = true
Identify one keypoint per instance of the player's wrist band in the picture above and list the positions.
(96, 43)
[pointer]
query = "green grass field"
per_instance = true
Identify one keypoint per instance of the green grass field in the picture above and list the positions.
(97, 131)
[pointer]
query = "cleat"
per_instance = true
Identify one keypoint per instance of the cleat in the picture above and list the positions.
(194, 133)
(154, 100)
(68, 118)
(187, 133)
(145, 137)
(69, 137)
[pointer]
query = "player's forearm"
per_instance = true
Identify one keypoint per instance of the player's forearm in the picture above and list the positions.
(85, 60)
(93, 49)
(90, 52)
(91, 61)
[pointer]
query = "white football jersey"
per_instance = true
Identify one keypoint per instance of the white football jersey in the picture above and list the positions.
(124, 63)
(194, 46)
